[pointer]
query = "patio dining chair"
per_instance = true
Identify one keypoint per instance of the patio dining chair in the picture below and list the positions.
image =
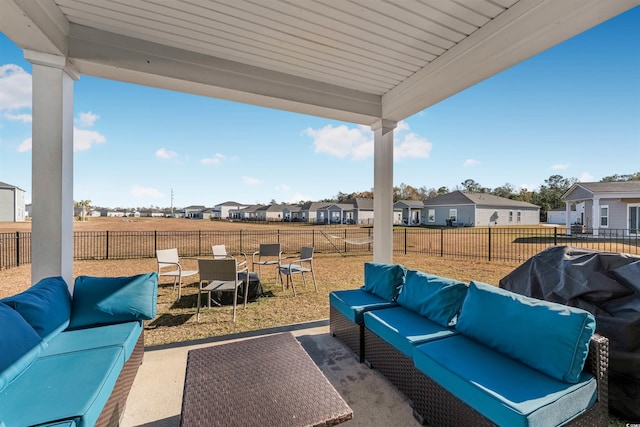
(269, 254)
(169, 265)
(220, 275)
(220, 252)
(301, 265)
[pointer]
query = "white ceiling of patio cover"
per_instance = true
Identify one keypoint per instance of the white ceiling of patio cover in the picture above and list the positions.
(352, 60)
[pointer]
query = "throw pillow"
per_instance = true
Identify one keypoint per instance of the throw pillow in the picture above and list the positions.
(383, 280)
(106, 300)
(437, 298)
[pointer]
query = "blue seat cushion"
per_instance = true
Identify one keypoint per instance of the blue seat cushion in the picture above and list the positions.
(124, 335)
(352, 303)
(63, 387)
(383, 280)
(46, 306)
(403, 328)
(106, 300)
(436, 298)
(504, 390)
(547, 336)
(20, 345)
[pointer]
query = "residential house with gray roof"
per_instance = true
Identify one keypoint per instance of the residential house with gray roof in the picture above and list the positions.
(475, 209)
(411, 211)
(608, 206)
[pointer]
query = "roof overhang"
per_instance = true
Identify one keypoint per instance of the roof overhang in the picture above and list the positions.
(351, 61)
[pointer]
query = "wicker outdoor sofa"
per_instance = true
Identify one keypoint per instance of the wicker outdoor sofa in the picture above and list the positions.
(474, 354)
(70, 360)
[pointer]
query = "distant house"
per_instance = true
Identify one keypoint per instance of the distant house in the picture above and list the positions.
(224, 210)
(250, 213)
(12, 206)
(411, 211)
(193, 211)
(274, 212)
(115, 213)
(209, 213)
(291, 213)
(559, 216)
(351, 211)
(309, 211)
(474, 209)
(608, 205)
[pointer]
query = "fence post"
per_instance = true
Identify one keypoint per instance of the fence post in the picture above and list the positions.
(442, 242)
(489, 239)
(345, 240)
(240, 238)
(405, 241)
(199, 243)
(555, 236)
(18, 248)
(107, 251)
(155, 241)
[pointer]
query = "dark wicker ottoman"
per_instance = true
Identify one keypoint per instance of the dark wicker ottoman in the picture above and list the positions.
(266, 381)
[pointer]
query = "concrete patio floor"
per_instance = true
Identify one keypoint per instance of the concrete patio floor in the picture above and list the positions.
(156, 397)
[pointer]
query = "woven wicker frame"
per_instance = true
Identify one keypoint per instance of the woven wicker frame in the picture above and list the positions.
(114, 408)
(436, 406)
(391, 363)
(351, 334)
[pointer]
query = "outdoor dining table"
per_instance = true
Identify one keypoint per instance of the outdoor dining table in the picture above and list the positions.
(265, 381)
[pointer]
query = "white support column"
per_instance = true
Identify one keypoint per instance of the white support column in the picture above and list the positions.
(595, 212)
(52, 167)
(383, 190)
(567, 218)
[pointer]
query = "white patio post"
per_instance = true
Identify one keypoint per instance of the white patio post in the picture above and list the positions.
(383, 190)
(52, 167)
(596, 215)
(567, 219)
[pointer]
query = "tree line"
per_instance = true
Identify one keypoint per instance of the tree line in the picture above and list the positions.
(548, 196)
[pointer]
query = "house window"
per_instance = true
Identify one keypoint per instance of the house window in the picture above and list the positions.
(510, 216)
(432, 215)
(519, 216)
(453, 215)
(604, 216)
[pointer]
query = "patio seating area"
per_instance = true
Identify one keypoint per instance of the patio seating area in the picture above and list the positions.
(156, 400)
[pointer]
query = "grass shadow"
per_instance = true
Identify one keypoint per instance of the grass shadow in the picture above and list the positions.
(169, 320)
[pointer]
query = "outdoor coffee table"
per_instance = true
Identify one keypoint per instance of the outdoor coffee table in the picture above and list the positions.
(266, 381)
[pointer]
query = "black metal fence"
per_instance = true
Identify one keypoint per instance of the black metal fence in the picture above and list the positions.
(482, 243)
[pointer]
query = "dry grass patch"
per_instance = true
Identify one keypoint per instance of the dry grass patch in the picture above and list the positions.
(176, 320)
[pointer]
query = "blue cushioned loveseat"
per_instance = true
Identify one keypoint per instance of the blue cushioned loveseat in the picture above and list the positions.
(71, 360)
(479, 355)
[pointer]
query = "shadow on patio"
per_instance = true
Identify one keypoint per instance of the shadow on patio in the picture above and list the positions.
(156, 397)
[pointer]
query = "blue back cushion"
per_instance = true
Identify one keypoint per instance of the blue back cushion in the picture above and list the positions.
(437, 298)
(550, 337)
(106, 300)
(46, 306)
(383, 280)
(20, 345)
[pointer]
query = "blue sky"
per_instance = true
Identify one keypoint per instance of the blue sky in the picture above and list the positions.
(573, 110)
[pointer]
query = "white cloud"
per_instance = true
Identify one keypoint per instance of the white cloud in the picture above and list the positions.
(163, 153)
(342, 142)
(84, 139)
(24, 118)
(216, 159)
(471, 162)
(283, 187)
(251, 181)
(297, 197)
(25, 146)
(146, 192)
(87, 119)
(560, 167)
(357, 143)
(527, 187)
(15, 87)
(412, 146)
(585, 177)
